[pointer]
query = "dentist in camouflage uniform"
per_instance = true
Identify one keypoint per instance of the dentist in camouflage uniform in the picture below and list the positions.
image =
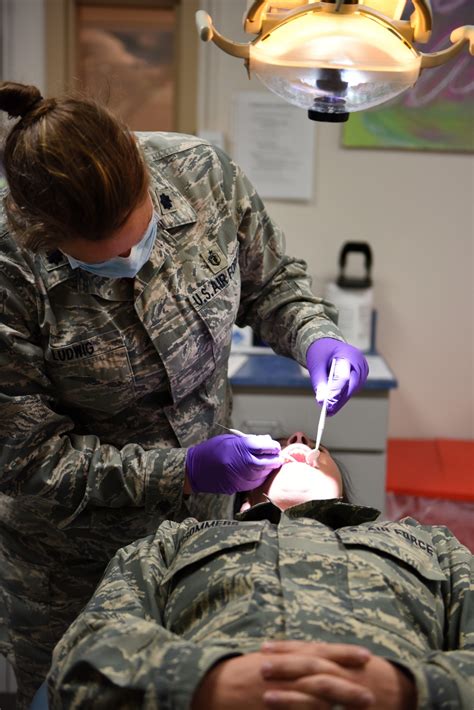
(124, 262)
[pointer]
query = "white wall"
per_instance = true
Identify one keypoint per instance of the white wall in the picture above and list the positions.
(416, 211)
(23, 41)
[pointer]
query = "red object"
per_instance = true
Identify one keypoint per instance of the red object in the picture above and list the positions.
(433, 482)
(434, 468)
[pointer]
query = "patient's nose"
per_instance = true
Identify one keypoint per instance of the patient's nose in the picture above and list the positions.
(299, 438)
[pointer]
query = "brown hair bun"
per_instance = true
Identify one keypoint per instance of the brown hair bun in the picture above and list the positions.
(18, 99)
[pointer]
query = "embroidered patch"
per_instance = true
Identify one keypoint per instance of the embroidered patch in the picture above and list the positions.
(73, 352)
(54, 259)
(407, 535)
(212, 287)
(214, 258)
(208, 524)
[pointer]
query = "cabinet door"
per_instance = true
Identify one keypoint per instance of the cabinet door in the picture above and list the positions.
(360, 426)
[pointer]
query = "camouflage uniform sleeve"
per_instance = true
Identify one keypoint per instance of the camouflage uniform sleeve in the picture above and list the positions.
(40, 453)
(276, 297)
(118, 652)
(445, 679)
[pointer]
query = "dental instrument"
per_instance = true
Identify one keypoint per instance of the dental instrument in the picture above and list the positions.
(232, 431)
(314, 454)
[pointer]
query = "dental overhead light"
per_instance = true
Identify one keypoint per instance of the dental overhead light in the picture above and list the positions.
(337, 56)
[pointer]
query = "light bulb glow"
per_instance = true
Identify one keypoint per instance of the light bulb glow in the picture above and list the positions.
(335, 63)
(335, 41)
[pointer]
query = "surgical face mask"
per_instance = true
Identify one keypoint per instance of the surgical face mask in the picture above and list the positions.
(123, 266)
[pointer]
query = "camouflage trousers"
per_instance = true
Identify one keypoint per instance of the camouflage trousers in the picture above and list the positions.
(47, 577)
(30, 623)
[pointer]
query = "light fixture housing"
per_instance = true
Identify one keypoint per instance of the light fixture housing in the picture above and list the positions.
(337, 56)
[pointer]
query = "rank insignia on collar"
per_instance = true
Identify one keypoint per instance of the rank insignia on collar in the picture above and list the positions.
(55, 257)
(54, 260)
(166, 202)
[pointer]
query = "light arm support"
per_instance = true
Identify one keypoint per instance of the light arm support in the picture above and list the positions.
(207, 32)
(256, 15)
(460, 37)
(421, 20)
(253, 18)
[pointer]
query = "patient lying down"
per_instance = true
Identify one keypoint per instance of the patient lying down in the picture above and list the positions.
(305, 601)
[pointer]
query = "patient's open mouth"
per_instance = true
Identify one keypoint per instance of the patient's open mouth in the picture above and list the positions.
(298, 452)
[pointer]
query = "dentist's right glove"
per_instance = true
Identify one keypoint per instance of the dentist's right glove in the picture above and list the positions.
(350, 374)
(229, 463)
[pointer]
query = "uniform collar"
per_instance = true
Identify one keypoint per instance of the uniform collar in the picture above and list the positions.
(333, 512)
(56, 269)
(173, 210)
(171, 205)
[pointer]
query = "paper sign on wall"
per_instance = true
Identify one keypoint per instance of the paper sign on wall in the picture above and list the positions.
(274, 145)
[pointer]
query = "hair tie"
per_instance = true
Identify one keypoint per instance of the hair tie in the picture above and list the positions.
(33, 104)
(41, 105)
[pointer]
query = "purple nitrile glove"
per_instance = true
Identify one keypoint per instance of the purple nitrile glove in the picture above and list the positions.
(350, 374)
(229, 463)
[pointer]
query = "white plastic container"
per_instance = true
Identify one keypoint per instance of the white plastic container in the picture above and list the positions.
(354, 298)
(242, 338)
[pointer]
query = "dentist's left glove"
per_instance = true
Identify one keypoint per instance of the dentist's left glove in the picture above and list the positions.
(229, 463)
(350, 372)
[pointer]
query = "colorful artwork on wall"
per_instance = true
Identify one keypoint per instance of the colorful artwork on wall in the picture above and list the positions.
(438, 112)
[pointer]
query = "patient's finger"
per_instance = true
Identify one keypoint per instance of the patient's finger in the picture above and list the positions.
(346, 654)
(291, 666)
(336, 690)
(320, 691)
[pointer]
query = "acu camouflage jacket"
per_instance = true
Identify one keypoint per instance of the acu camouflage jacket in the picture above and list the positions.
(105, 382)
(173, 604)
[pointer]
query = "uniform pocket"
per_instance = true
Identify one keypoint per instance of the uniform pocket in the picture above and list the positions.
(394, 583)
(93, 374)
(196, 337)
(186, 349)
(217, 302)
(208, 586)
